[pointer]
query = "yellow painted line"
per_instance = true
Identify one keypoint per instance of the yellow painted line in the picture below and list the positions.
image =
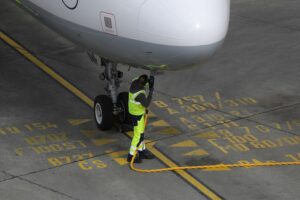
(46, 69)
(206, 191)
(90, 102)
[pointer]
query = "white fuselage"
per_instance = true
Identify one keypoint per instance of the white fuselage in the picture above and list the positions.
(150, 29)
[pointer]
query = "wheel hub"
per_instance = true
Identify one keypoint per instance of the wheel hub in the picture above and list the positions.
(98, 113)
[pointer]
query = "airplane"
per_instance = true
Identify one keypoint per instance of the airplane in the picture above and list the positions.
(149, 34)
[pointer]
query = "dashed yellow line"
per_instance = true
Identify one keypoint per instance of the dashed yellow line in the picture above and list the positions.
(202, 188)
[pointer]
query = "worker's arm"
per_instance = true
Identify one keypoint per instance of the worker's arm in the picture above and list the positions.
(143, 100)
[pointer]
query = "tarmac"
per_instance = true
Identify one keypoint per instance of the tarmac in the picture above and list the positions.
(242, 106)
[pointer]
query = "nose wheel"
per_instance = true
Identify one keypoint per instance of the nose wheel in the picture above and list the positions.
(103, 112)
(109, 107)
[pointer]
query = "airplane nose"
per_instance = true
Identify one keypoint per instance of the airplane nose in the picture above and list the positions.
(184, 22)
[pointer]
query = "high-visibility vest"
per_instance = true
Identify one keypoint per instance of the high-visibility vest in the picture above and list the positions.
(135, 107)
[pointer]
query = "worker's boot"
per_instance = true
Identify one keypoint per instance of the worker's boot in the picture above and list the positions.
(136, 160)
(146, 154)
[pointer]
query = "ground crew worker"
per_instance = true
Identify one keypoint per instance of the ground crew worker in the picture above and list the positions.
(137, 107)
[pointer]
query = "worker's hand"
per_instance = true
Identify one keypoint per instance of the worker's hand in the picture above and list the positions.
(147, 111)
(151, 82)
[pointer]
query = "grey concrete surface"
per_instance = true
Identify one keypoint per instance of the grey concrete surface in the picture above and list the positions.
(278, 13)
(19, 189)
(113, 182)
(242, 106)
(4, 176)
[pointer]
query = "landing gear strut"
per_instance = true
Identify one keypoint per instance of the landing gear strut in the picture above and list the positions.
(106, 107)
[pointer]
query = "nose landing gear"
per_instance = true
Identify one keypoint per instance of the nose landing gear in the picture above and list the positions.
(107, 107)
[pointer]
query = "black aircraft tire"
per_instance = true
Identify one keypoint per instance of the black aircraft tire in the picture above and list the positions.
(124, 116)
(103, 112)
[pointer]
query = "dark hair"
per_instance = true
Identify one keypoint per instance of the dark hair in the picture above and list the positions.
(143, 79)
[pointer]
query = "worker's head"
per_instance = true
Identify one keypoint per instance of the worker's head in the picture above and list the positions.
(143, 79)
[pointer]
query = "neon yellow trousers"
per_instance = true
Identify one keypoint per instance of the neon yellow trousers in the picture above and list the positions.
(137, 142)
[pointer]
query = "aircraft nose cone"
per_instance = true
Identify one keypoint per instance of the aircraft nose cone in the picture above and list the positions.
(184, 22)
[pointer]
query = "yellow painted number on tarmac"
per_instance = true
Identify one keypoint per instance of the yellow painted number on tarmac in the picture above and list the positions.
(188, 123)
(9, 130)
(190, 99)
(55, 162)
(47, 138)
(83, 164)
(40, 126)
(178, 100)
(65, 146)
(188, 109)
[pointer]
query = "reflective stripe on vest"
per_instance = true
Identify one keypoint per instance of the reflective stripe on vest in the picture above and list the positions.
(135, 107)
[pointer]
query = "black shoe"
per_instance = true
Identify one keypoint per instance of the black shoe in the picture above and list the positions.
(136, 160)
(146, 154)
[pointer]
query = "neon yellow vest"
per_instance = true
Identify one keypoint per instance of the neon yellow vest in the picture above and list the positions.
(135, 107)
